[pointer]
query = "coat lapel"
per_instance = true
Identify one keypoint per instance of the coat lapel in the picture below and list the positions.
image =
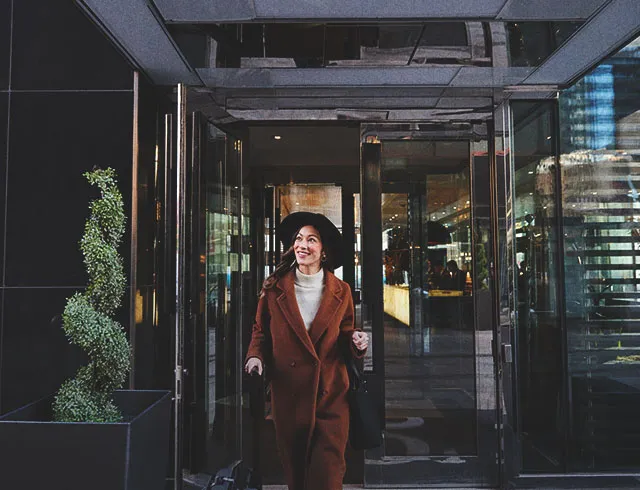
(329, 305)
(289, 306)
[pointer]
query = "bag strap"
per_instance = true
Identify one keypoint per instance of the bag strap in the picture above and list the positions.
(355, 375)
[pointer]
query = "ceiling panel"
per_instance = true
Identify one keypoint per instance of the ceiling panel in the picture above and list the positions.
(304, 145)
(194, 11)
(212, 11)
(325, 77)
(261, 10)
(376, 9)
(549, 9)
(144, 39)
(489, 77)
(615, 25)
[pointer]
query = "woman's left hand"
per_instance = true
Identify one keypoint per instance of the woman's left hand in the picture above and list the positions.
(360, 340)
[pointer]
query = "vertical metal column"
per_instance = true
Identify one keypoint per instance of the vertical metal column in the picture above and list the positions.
(348, 236)
(371, 203)
(181, 221)
(372, 290)
(561, 297)
(494, 212)
(134, 229)
(239, 357)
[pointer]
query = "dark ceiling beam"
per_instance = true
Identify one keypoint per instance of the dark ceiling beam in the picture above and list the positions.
(243, 103)
(458, 115)
(340, 77)
(220, 11)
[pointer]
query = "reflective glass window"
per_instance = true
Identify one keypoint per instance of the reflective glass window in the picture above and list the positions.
(538, 337)
(531, 43)
(600, 162)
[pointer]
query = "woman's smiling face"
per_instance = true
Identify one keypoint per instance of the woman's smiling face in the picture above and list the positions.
(308, 249)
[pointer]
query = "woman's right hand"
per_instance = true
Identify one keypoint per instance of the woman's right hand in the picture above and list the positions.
(253, 364)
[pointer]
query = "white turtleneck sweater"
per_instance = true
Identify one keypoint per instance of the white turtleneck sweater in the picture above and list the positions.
(309, 289)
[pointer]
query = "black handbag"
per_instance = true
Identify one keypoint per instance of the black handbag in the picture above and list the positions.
(365, 427)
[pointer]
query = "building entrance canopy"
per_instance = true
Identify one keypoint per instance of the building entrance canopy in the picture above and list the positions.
(373, 60)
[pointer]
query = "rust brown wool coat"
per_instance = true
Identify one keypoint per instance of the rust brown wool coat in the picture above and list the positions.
(309, 380)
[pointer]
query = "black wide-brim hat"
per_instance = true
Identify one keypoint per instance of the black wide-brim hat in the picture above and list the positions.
(329, 234)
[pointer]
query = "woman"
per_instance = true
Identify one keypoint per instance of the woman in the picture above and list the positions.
(303, 331)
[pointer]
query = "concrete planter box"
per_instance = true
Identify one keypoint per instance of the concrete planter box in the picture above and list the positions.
(132, 455)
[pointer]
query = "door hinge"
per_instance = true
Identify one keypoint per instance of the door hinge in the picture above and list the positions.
(507, 353)
(178, 372)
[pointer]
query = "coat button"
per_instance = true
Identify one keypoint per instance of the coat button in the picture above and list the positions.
(293, 364)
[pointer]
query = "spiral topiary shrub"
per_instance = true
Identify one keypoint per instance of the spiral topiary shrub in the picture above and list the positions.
(87, 317)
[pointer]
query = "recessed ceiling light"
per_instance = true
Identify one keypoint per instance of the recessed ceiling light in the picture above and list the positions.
(277, 137)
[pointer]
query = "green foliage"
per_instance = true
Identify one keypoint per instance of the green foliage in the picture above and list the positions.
(481, 264)
(87, 316)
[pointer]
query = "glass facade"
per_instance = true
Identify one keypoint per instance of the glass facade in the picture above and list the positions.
(600, 162)
(225, 259)
(576, 308)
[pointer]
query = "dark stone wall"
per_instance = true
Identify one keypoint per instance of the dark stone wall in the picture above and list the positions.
(66, 105)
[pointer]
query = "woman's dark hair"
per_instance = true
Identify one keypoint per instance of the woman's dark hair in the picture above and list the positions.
(288, 262)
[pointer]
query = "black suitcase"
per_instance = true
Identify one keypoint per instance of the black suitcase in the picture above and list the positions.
(236, 476)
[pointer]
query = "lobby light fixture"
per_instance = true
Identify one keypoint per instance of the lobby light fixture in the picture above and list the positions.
(277, 137)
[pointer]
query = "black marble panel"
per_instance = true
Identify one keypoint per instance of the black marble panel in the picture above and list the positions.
(153, 361)
(36, 356)
(55, 137)
(147, 189)
(56, 46)
(4, 97)
(5, 42)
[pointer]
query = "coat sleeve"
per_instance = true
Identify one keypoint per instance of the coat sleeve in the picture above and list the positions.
(260, 345)
(347, 328)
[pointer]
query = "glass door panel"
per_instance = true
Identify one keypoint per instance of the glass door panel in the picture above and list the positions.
(428, 324)
(438, 390)
(539, 339)
(211, 411)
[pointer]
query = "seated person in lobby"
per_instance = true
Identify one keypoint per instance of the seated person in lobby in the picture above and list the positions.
(454, 278)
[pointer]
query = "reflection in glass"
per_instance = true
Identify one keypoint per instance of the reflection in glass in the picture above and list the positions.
(430, 397)
(531, 43)
(222, 298)
(538, 337)
(601, 216)
(304, 45)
